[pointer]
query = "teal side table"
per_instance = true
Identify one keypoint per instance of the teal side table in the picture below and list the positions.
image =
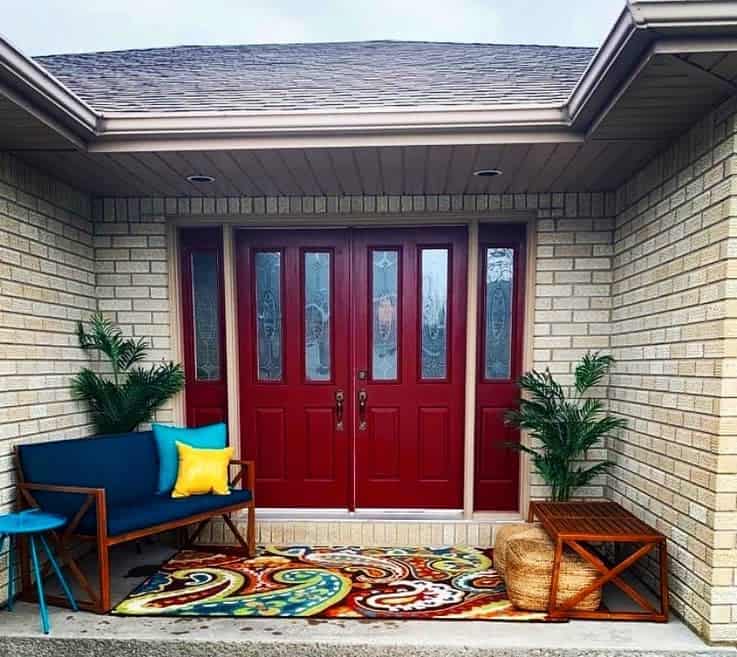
(33, 523)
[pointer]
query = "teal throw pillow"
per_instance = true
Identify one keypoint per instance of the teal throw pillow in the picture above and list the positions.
(213, 436)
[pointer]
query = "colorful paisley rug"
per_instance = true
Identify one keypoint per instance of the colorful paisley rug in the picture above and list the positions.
(329, 582)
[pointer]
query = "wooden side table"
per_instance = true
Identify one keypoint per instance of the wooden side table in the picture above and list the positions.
(577, 525)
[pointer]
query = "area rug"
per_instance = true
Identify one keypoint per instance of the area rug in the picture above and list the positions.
(329, 582)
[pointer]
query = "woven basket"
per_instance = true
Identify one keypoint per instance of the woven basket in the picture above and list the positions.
(529, 569)
(506, 533)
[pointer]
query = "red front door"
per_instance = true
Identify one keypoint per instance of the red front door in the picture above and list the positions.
(352, 366)
(409, 325)
(294, 365)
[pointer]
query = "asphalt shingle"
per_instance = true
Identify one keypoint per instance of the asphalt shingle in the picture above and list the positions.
(327, 76)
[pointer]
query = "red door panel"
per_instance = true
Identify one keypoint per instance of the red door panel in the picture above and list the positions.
(293, 315)
(501, 298)
(409, 299)
(203, 325)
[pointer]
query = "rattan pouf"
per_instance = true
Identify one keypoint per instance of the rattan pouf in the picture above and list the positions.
(529, 569)
(506, 533)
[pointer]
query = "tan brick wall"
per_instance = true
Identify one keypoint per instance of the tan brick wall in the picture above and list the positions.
(46, 286)
(674, 324)
(132, 274)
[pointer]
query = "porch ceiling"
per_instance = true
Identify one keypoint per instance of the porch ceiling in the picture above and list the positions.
(594, 165)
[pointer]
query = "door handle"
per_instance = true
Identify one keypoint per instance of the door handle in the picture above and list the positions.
(339, 399)
(362, 400)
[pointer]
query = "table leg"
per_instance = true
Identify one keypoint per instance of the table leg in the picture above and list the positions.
(555, 575)
(2, 545)
(663, 558)
(11, 573)
(39, 586)
(57, 572)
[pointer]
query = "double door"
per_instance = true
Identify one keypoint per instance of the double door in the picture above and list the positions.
(351, 365)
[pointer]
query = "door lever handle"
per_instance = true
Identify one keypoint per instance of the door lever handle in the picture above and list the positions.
(339, 399)
(362, 401)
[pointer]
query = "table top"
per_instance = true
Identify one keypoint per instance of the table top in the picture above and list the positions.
(593, 521)
(31, 521)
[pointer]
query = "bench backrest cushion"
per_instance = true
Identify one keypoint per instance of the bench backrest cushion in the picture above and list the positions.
(125, 465)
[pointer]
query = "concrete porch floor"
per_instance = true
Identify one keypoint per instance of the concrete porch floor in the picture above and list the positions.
(89, 635)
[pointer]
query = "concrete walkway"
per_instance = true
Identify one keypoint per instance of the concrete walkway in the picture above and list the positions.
(89, 635)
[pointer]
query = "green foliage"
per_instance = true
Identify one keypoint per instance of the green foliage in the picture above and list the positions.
(133, 394)
(565, 427)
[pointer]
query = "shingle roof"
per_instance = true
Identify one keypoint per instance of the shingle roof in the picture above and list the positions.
(326, 76)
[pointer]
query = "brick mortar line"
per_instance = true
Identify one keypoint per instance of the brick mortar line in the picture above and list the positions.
(642, 214)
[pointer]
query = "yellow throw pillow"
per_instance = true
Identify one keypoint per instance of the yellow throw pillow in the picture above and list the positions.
(202, 471)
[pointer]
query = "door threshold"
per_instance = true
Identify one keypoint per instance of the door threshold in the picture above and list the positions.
(343, 515)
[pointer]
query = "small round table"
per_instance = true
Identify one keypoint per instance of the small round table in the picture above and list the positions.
(33, 523)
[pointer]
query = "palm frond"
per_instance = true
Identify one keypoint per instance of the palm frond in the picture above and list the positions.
(564, 429)
(591, 370)
(120, 406)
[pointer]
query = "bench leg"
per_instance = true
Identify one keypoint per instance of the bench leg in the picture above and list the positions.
(251, 531)
(103, 569)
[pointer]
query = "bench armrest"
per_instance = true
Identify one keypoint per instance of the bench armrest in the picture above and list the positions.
(246, 474)
(53, 488)
(93, 496)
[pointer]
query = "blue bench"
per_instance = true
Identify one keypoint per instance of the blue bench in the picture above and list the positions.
(106, 488)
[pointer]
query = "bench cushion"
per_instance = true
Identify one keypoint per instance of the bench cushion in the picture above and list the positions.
(125, 465)
(157, 509)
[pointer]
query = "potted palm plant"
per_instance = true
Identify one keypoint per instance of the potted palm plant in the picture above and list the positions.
(130, 394)
(564, 426)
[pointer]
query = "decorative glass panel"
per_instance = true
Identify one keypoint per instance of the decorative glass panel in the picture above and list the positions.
(268, 315)
(317, 316)
(206, 311)
(434, 272)
(498, 320)
(385, 283)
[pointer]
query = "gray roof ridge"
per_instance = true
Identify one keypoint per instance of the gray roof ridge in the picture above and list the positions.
(311, 43)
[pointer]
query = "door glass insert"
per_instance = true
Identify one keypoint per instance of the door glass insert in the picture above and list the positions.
(434, 347)
(317, 283)
(268, 315)
(385, 304)
(498, 320)
(206, 315)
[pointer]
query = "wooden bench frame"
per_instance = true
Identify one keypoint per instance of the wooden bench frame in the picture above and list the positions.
(617, 526)
(99, 601)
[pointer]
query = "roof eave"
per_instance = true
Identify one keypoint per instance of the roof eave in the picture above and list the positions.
(640, 24)
(34, 89)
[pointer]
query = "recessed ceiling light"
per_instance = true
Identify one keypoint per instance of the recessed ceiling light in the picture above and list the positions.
(199, 178)
(487, 173)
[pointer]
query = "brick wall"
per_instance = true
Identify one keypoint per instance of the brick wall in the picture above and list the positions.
(674, 324)
(46, 286)
(132, 279)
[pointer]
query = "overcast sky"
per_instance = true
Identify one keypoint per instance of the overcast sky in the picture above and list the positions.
(60, 26)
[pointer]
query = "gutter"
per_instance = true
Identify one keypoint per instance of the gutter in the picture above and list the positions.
(37, 91)
(374, 122)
